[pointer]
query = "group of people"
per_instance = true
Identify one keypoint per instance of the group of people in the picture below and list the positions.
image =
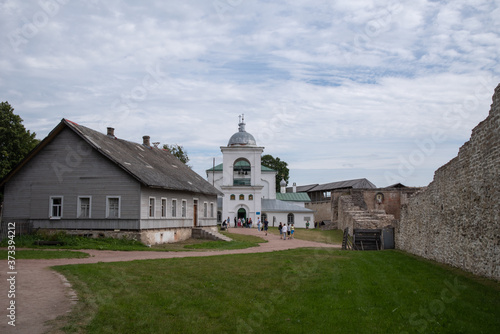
(286, 230)
(241, 222)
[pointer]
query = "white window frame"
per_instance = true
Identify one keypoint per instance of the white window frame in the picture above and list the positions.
(184, 208)
(205, 210)
(119, 206)
(173, 208)
(79, 207)
(152, 208)
(164, 210)
(212, 209)
(51, 206)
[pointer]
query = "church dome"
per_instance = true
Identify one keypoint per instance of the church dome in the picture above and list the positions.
(242, 138)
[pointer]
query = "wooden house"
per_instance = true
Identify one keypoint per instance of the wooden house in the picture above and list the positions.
(86, 182)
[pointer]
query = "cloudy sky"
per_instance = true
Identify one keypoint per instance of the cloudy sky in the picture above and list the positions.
(386, 90)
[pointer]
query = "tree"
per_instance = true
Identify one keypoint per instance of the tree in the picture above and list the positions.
(281, 167)
(179, 152)
(15, 141)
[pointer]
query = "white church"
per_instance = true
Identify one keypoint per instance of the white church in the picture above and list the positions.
(249, 188)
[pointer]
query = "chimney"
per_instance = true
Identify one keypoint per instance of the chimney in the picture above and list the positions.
(111, 132)
(145, 141)
(294, 187)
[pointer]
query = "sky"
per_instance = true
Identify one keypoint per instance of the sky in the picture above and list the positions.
(340, 90)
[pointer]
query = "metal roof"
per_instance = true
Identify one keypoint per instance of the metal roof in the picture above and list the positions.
(357, 183)
(293, 197)
(242, 138)
(274, 205)
(151, 166)
(154, 167)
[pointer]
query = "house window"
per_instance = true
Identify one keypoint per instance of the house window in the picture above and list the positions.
(183, 208)
(56, 206)
(152, 203)
(290, 218)
(242, 197)
(205, 209)
(212, 210)
(250, 197)
(112, 207)
(83, 209)
(163, 207)
(174, 208)
(233, 197)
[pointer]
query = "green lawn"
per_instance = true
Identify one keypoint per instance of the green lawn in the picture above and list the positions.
(41, 254)
(318, 235)
(295, 291)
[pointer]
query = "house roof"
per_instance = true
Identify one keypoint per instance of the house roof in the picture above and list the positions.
(357, 183)
(151, 166)
(293, 197)
(220, 167)
(301, 189)
(274, 205)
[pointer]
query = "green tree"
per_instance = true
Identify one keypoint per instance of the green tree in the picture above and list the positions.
(279, 166)
(179, 152)
(15, 141)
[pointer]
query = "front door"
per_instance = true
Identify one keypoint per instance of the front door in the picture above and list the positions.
(195, 213)
(242, 213)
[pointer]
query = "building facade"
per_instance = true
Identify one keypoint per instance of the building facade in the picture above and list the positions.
(248, 187)
(86, 182)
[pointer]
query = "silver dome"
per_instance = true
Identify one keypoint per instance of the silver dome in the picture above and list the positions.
(242, 138)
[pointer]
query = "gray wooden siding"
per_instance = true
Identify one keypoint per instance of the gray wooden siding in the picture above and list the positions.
(178, 221)
(69, 167)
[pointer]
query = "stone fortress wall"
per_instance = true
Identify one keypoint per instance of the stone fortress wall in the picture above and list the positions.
(456, 219)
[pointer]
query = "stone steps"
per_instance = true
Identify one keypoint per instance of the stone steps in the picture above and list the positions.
(200, 233)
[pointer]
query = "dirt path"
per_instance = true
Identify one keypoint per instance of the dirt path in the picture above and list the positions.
(42, 295)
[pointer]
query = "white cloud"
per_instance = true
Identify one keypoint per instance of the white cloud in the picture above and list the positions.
(330, 85)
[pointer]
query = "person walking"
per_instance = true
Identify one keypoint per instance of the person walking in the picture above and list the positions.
(258, 224)
(288, 231)
(292, 229)
(283, 229)
(280, 227)
(266, 224)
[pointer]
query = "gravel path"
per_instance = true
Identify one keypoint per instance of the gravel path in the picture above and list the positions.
(42, 295)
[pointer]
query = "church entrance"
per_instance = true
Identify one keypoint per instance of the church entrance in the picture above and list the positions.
(242, 213)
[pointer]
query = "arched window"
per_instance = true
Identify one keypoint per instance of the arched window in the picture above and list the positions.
(290, 218)
(250, 197)
(233, 197)
(242, 173)
(242, 197)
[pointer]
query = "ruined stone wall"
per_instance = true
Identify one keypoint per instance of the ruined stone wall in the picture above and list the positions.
(456, 220)
(322, 210)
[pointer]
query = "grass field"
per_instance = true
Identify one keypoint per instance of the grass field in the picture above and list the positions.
(295, 291)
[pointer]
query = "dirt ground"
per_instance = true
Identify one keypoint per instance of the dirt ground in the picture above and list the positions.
(42, 295)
